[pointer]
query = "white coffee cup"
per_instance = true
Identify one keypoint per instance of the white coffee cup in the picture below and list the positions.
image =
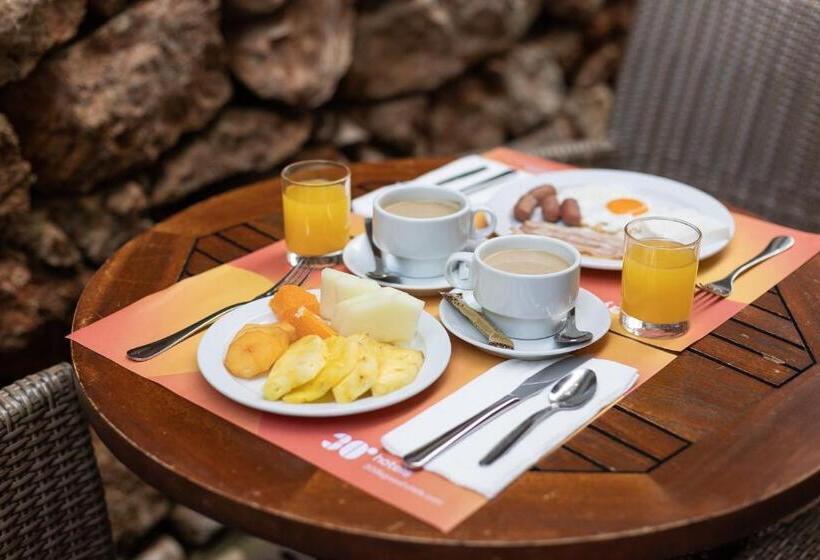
(524, 306)
(420, 246)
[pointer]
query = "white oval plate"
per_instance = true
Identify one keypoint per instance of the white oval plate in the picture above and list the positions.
(591, 314)
(431, 338)
(652, 187)
(358, 258)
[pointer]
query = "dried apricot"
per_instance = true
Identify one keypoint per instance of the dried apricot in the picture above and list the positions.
(289, 298)
(308, 322)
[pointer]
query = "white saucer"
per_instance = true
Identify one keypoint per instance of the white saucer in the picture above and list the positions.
(359, 260)
(591, 314)
(430, 338)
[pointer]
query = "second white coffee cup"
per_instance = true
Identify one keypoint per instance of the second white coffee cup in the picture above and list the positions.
(524, 306)
(420, 245)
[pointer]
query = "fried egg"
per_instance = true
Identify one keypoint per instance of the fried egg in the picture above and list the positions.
(607, 209)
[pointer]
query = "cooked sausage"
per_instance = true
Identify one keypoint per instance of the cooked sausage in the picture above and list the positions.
(550, 209)
(570, 212)
(542, 191)
(524, 207)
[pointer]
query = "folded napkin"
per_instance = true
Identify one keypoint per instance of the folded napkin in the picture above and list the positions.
(459, 464)
(363, 205)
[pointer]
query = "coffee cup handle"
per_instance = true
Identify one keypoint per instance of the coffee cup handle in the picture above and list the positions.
(452, 268)
(486, 231)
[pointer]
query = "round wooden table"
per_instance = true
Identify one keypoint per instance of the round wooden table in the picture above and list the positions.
(721, 442)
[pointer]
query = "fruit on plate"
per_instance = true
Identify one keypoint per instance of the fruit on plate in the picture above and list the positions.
(307, 322)
(338, 286)
(363, 375)
(255, 348)
(397, 367)
(300, 363)
(289, 298)
(342, 355)
(386, 314)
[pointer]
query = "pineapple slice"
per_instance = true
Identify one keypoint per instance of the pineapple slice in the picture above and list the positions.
(343, 354)
(302, 361)
(397, 367)
(387, 315)
(363, 375)
(339, 286)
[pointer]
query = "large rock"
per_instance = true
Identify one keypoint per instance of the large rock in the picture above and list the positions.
(31, 298)
(15, 173)
(399, 123)
(297, 56)
(241, 140)
(38, 236)
(123, 95)
(28, 28)
(531, 84)
(108, 8)
(94, 229)
(467, 116)
(252, 7)
(416, 45)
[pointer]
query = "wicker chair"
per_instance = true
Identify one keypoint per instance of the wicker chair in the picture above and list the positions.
(51, 497)
(723, 95)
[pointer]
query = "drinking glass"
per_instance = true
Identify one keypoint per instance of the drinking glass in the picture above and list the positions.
(658, 277)
(316, 205)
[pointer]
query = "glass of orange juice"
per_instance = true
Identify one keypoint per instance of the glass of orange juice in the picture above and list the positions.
(316, 206)
(658, 277)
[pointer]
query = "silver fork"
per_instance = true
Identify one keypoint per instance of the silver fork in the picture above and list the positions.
(723, 287)
(296, 275)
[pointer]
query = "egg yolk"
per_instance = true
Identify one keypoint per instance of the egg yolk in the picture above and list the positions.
(626, 206)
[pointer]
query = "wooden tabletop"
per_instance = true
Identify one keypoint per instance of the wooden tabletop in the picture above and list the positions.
(721, 442)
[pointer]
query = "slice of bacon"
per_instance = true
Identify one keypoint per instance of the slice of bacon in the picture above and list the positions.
(587, 241)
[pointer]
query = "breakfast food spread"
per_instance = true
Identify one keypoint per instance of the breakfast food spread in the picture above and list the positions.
(342, 347)
(594, 217)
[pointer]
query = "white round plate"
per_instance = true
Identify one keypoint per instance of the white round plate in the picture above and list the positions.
(591, 314)
(358, 258)
(669, 192)
(430, 338)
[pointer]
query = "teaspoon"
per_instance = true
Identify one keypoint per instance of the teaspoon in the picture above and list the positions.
(571, 334)
(571, 391)
(380, 274)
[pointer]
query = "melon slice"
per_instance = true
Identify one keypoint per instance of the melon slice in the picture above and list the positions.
(338, 286)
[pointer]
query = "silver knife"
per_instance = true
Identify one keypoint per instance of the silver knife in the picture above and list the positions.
(529, 387)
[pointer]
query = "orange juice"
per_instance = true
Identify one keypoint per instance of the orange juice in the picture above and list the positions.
(317, 217)
(658, 280)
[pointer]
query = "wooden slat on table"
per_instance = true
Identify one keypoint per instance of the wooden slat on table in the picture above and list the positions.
(769, 323)
(691, 396)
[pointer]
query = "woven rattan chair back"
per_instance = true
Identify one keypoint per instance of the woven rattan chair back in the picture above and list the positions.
(725, 95)
(51, 497)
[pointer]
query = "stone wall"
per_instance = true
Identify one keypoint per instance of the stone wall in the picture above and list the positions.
(116, 113)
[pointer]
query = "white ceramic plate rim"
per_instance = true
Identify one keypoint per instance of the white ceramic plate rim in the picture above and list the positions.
(431, 336)
(591, 303)
(356, 250)
(679, 193)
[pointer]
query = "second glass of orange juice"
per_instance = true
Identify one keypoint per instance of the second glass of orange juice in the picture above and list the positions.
(658, 278)
(316, 206)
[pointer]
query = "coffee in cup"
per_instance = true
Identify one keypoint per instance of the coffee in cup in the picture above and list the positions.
(423, 208)
(419, 227)
(526, 261)
(525, 284)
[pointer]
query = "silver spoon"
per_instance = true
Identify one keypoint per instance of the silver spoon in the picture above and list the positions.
(380, 273)
(573, 390)
(571, 334)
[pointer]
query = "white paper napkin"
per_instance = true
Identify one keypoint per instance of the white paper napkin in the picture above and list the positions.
(460, 465)
(363, 205)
